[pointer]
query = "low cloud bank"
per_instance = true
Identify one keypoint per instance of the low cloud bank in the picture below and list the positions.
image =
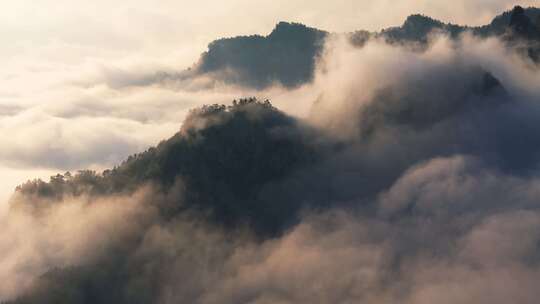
(424, 189)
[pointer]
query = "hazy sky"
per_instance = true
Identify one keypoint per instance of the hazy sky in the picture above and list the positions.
(58, 110)
(424, 221)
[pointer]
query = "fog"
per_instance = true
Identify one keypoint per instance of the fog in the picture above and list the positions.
(64, 63)
(424, 188)
(429, 220)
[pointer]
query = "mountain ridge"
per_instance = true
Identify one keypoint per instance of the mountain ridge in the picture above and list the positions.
(415, 152)
(287, 55)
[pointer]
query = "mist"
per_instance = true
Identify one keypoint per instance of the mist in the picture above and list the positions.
(397, 175)
(65, 65)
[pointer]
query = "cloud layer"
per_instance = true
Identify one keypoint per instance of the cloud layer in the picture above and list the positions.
(425, 192)
(71, 72)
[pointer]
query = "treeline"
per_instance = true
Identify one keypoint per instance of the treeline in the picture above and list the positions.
(287, 56)
(222, 158)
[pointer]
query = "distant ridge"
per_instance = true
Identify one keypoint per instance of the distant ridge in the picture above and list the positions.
(288, 54)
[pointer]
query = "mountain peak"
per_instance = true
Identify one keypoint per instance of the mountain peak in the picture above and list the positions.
(284, 25)
(418, 20)
(291, 30)
(518, 20)
(518, 10)
(521, 24)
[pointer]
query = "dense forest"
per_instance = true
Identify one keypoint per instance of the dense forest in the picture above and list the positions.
(428, 182)
(223, 156)
(289, 53)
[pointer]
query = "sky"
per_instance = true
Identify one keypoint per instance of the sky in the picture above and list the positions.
(62, 102)
(413, 176)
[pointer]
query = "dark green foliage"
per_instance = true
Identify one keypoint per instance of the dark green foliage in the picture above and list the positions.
(517, 28)
(229, 161)
(286, 56)
(499, 25)
(522, 28)
(84, 182)
(417, 29)
(223, 156)
(359, 38)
